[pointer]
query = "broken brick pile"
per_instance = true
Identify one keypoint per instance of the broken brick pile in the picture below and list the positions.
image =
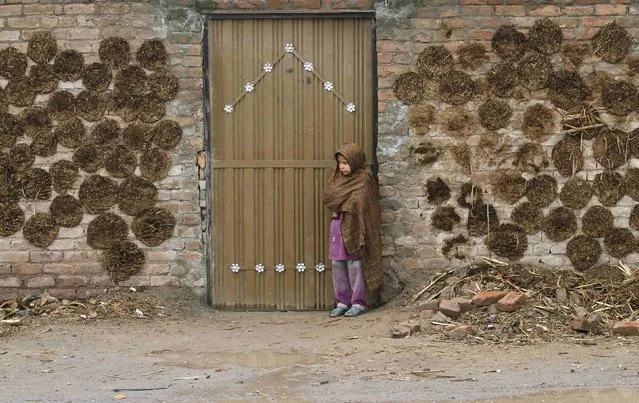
(492, 303)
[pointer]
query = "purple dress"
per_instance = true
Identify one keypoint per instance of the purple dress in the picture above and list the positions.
(349, 284)
(336, 248)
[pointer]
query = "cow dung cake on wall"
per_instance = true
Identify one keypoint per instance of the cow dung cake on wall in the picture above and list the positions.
(71, 133)
(545, 36)
(115, 52)
(458, 122)
(508, 240)
(44, 143)
(608, 186)
(66, 211)
(620, 242)
(89, 157)
(36, 184)
(456, 88)
(136, 194)
(528, 217)
(541, 190)
(508, 186)
(40, 230)
(155, 164)
(620, 97)
(42, 47)
(435, 61)
(503, 79)
(494, 114)
(420, 118)
(91, 106)
(567, 156)
(409, 88)
(64, 173)
(437, 191)
(509, 43)
(152, 54)
(583, 252)
(163, 85)
(98, 193)
(471, 56)
(106, 229)
(35, 119)
(20, 91)
(96, 77)
(576, 193)
(611, 43)
(42, 78)
(444, 218)
(11, 218)
(153, 226)
(560, 224)
(61, 105)
(597, 221)
(68, 65)
(138, 136)
(534, 71)
(20, 157)
(13, 63)
(631, 183)
(122, 260)
(481, 219)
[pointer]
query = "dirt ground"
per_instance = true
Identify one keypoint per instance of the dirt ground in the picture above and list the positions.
(188, 352)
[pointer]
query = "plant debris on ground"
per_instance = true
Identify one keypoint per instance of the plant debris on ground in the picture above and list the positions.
(492, 301)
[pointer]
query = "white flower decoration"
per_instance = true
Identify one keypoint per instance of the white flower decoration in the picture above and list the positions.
(289, 48)
(320, 267)
(301, 267)
(308, 66)
(350, 107)
(279, 268)
(268, 67)
(328, 86)
(235, 267)
(228, 108)
(249, 87)
(259, 268)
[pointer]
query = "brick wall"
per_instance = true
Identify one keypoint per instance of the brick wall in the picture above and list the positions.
(413, 248)
(69, 267)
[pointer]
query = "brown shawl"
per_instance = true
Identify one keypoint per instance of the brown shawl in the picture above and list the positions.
(356, 197)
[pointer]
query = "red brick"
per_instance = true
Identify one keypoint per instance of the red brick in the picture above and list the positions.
(10, 282)
(626, 328)
(62, 293)
(510, 10)
(26, 268)
(10, 10)
(511, 301)
(5, 268)
(38, 9)
(8, 293)
(102, 281)
(491, 22)
(450, 308)
(480, 35)
(37, 256)
(163, 281)
(579, 10)
(436, 12)
(470, 2)
(485, 298)
(79, 9)
(40, 282)
(14, 257)
(596, 21)
(546, 11)
(477, 11)
(71, 281)
(610, 9)
(384, 58)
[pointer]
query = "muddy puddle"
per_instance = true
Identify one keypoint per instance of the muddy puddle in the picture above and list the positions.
(605, 395)
(252, 360)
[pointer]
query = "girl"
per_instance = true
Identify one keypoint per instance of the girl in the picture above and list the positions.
(355, 239)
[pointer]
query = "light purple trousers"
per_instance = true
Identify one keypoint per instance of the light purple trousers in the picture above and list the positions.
(349, 285)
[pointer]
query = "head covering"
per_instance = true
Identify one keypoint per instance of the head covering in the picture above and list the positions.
(355, 196)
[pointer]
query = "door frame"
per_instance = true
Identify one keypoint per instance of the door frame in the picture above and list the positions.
(267, 14)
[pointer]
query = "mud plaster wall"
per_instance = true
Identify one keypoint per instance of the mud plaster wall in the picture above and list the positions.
(69, 267)
(412, 247)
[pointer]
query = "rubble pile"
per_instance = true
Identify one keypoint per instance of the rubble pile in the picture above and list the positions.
(126, 305)
(491, 301)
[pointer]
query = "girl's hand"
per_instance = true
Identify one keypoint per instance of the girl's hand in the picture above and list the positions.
(335, 215)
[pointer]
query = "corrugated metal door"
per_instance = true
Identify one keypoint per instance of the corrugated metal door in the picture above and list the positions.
(272, 145)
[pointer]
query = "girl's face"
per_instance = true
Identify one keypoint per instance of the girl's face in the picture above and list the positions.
(344, 167)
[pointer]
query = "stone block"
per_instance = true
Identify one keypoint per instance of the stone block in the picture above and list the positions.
(450, 308)
(460, 332)
(465, 304)
(430, 305)
(400, 332)
(414, 326)
(40, 282)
